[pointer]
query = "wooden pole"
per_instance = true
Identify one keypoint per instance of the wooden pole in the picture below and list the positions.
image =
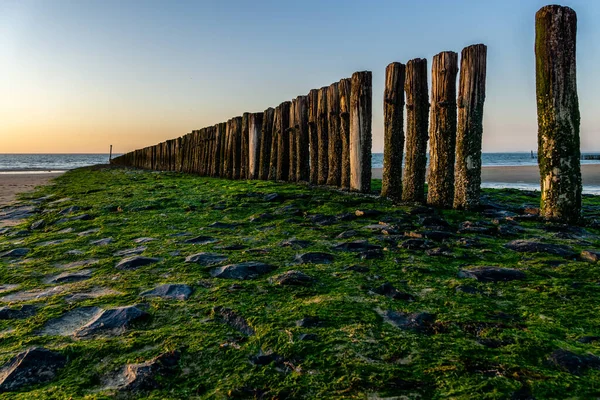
(110, 155)
(361, 98)
(393, 115)
(558, 113)
(274, 145)
(302, 139)
(292, 139)
(229, 150)
(344, 89)
(469, 132)
(313, 135)
(245, 146)
(417, 124)
(255, 123)
(217, 152)
(442, 130)
(334, 176)
(266, 143)
(283, 142)
(323, 128)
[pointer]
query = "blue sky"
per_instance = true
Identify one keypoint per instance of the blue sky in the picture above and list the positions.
(79, 75)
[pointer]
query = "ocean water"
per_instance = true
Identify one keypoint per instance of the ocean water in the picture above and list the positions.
(48, 162)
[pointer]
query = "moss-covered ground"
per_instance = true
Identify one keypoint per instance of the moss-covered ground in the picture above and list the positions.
(357, 354)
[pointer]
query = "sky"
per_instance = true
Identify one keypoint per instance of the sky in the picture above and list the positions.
(79, 75)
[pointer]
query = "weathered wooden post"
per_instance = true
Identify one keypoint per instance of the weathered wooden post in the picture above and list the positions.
(217, 151)
(323, 128)
(292, 140)
(417, 124)
(266, 143)
(558, 113)
(469, 132)
(254, 144)
(334, 176)
(274, 144)
(313, 134)
(283, 142)
(229, 149)
(302, 139)
(344, 89)
(245, 146)
(361, 99)
(393, 115)
(442, 144)
(237, 147)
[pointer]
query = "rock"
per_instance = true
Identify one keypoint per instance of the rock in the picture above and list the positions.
(94, 293)
(262, 359)
(222, 225)
(467, 289)
(588, 339)
(71, 276)
(322, 220)
(296, 244)
(242, 271)
(416, 244)
(509, 230)
(434, 222)
(88, 232)
(66, 231)
(356, 246)
(417, 322)
(314, 258)
(590, 255)
(482, 228)
(357, 268)
(130, 252)
(8, 287)
(232, 247)
(574, 363)
(50, 243)
(142, 376)
(206, 259)
(347, 234)
(69, 210)
(169, 291)
(68, 323)
(390, 291)
(136, 262)
(261, 217)
(201, 240)
(234, 320)
(439, 251)
(77, 264)
(368, 213)
(114, 320)
(82, 217)
(292, 278)
(494, 343)
(102, 242)
(346, 217)
(310, 322)
(39, 224)
(273, 197)
(25, 311)
(371, 254)
(376, 227)
(31, 367)
(74, 253)
(532, 246)
(34, 294)
(492, 274)
(143, 240)
(20, 252)
(308, 336)
(431, 235)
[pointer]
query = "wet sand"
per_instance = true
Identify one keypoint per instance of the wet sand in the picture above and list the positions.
(13, 183)
(523, 174)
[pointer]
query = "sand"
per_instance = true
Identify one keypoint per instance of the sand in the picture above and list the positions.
(523, 174)
(13, 183)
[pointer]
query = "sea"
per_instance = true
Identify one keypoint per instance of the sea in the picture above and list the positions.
(40, 163)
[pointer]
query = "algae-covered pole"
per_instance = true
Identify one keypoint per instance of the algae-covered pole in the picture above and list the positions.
(265, 143)
(322, 127)
(334, 176)
(558, 113)
(302, 141)
(254, 144)
(393, 116)
(313, 134)
(361, 99)
(469, 132)
(283, 142)
(344, 89)
(442, 130)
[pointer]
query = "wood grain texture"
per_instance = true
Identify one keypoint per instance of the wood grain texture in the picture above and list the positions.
(266, 143)
(254, 144)
(292, 140)
(245, 146)
(302, 140)
(361, 99)
(334, 174)
(313, 134)
(323, 128)
(283, 141)
(345, 89)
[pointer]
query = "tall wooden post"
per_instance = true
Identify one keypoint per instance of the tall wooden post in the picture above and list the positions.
(417, 124)
(223, 150)
(334, 176)
(237, 147)
(302, 140)
(265, 143)
(558, 113)
(323, 127)
(344, 89)
(292, 140)
(254, 144)
(469, 132)
(283, 142)
(229, 149)
(274, 145)
(313, 133)
(361, 99)
(442, 130)
(244, 146)
(217, 152)
(393, 115)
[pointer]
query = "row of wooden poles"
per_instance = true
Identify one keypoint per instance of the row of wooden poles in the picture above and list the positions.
(325, 137)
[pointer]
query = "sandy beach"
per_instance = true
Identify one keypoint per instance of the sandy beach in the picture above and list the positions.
(523, 174)
(13, 183)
